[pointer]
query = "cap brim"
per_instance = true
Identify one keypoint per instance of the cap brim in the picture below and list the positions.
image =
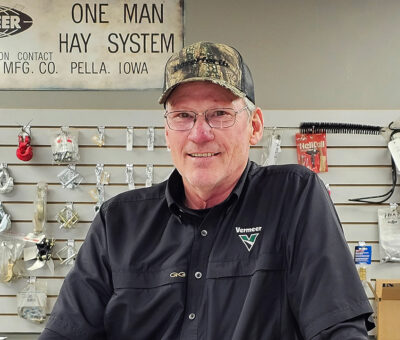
(222, 83)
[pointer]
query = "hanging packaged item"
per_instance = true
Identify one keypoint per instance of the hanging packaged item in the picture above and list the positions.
(271, 149)
(32, 301)
(42, 252)
(5, 219)
(70, 178)
(99, 139)
(40, 209)
(362, 258)
(6, 181)
(65, 146)
(10, 251)
(67, 254)
(24, 150)
(67, 217)
(312, 151)
(389, 233)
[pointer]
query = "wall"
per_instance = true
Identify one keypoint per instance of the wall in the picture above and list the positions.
(310, 55)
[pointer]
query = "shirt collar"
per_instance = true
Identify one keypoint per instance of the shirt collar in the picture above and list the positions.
(175, 194)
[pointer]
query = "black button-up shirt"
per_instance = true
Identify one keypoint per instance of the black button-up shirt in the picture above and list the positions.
(270, 262)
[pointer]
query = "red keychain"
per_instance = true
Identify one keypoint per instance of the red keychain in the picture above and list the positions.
(24, 151)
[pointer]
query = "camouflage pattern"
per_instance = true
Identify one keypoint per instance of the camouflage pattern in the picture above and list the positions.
(204, 61)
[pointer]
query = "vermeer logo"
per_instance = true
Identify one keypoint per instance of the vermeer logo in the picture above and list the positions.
(248, 240)
(13, 21)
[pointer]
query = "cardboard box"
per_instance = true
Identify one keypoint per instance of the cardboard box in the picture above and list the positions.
(387, 296)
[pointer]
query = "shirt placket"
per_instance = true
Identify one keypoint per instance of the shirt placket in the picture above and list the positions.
(204, 234)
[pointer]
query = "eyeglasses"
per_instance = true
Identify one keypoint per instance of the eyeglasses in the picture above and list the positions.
(218, 118)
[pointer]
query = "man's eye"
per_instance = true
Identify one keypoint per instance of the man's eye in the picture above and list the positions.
(181, 115)
(219, 113)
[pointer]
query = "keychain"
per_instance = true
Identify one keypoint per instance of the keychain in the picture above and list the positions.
(24, 151)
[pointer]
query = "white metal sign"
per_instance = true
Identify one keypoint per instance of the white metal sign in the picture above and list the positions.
(70, 44)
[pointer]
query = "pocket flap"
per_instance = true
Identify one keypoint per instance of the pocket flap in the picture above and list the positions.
(149, 279)
(245, 267)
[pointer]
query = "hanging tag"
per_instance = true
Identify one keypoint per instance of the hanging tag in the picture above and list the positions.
(68, 217)
(69, 177)
(362, 254)
(150, 139)
(149, 175)
(394, 148)
(129, 176)
(100, 138)
(6, 181)
(129, 138)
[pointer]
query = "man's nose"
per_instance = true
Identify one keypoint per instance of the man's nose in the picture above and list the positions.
(201, 132)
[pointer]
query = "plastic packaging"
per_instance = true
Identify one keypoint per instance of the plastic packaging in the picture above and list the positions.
(64, 146)
(32, 301)
(389, 234)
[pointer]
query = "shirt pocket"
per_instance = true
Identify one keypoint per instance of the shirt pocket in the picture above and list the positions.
(245, 267)
(148, 304)
(243, 292)
(148, 279)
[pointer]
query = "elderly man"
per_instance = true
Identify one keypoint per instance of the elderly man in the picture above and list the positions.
(222, 250)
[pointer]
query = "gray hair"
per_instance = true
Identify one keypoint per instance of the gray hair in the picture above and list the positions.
(250, 105)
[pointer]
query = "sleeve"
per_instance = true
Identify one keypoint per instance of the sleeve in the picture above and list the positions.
(79, 310)
(323, 286)
(353, 329)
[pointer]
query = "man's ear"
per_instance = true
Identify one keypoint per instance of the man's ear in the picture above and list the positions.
(257, 126)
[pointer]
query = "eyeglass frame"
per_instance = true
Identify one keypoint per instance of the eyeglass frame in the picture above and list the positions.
(205, 117)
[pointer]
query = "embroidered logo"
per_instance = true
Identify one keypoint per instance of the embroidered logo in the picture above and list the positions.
(248, 236)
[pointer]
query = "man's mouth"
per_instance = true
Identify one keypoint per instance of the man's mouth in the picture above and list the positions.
(205, 154)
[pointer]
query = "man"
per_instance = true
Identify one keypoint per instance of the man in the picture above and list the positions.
(223, 250)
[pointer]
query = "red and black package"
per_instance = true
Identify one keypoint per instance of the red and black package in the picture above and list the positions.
(311, 151)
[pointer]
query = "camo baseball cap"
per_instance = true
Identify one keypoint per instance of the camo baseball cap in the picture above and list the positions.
(206, 61)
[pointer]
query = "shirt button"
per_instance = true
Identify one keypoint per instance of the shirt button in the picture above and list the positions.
(198, 275)
(203, 232)
(192, 316)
